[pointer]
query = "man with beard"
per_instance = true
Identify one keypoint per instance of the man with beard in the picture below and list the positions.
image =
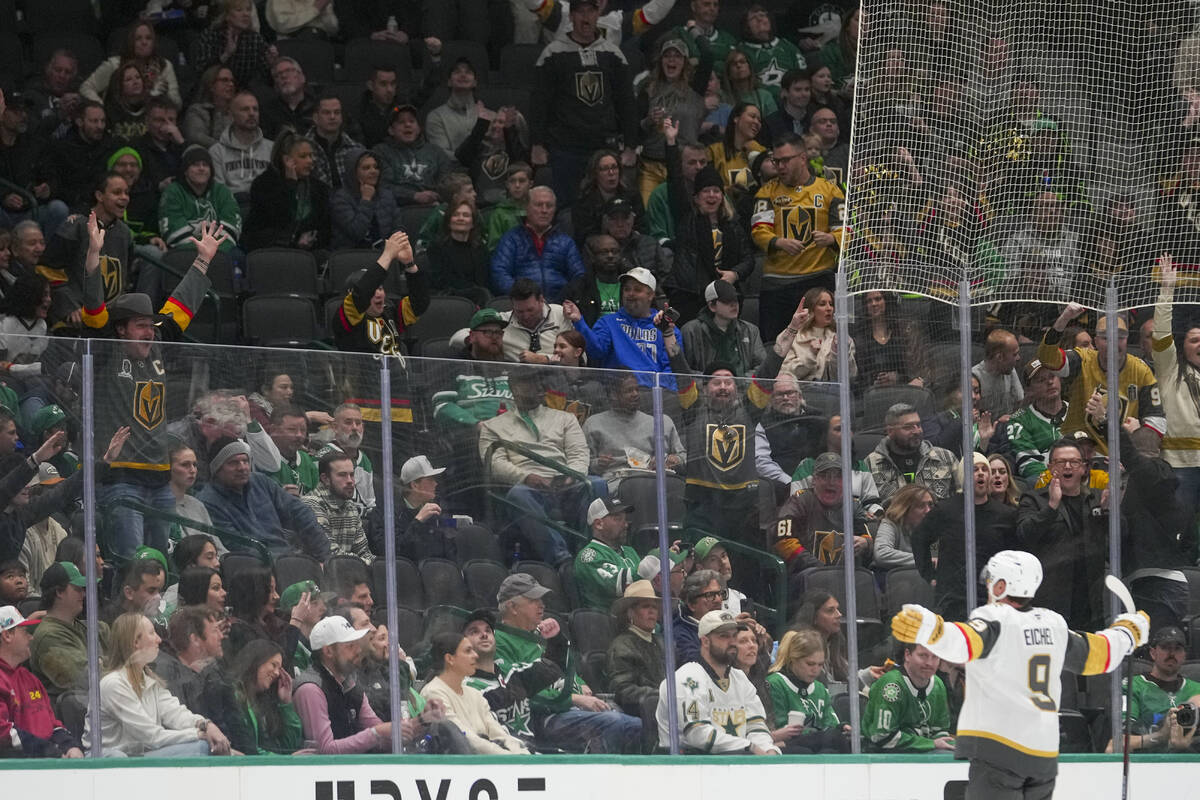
(333, 506)
(74, 162)
(475, 397)
(347, 429)
(507, 695)
(606, 565)
(941, 531)
(67, 251)
(141, 589)
(20, 164)
(1158, 698)
(903, 457)
(719, 709)
(193, 674)
(722, 482)
(808, 531)
(907, 711)
(538, 491)
(786, 434)
(297, 469)
(334, 710)
(58, 652)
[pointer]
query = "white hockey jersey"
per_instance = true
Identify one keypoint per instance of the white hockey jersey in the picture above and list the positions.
(1014, 661)
(713, 719)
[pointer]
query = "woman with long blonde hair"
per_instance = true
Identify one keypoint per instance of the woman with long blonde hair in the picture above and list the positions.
(138, 716)
(804, 715)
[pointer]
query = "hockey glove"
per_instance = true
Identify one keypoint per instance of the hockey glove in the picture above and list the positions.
(916, 624)
(1137, 624)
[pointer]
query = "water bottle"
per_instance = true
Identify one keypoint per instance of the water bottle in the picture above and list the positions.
(392, 25)
(516, 553)
(425, 746)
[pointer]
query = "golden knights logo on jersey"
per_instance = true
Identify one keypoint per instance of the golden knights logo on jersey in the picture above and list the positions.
(829, 546)
(589, 87)
(110, 273)
(383, 334)
(726, 445)
(149, 403)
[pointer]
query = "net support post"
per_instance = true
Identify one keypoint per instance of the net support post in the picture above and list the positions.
(92, 611)
(841, 305)
(389, 550)
(660, 487)
(968, 439)
(1112, 378)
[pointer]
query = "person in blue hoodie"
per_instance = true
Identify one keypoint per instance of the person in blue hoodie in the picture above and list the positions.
(630, 338)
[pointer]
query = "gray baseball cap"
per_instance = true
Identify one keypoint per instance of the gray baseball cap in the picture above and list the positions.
(520, 585)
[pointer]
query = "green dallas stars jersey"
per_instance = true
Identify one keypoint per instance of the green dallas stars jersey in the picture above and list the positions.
(813, 700)
(602, 573)
(1030, 432)
(771, 60)
(1149, 702)
(902, 718)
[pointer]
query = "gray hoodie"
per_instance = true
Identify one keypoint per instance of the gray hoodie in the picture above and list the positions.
(237, 165)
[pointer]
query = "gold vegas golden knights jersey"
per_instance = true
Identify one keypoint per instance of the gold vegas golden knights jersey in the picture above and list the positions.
(795, 212)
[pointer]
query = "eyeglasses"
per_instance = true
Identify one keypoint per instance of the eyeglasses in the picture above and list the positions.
(721, 595)
(780, 161)
(792, 393)
(489, 331)
(608, 168)
(1068, 462)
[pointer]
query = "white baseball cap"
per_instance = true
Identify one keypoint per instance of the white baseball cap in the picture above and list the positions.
(601, 507)
(10, 618)
(418, 467)
(642, 275)
(333, 630)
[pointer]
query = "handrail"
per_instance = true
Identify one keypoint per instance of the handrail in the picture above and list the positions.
(8, 187)
(537, 458)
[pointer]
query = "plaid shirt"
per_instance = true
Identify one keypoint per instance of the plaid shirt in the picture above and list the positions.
(248, 62)
(330, 161)
(341, 521)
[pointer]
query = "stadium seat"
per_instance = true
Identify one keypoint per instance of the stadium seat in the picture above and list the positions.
(645, 539)
(593, 667)
(566, 576)
(501, 304)
(832, 579)
(483, 579)
(234, 563)
(283, 270)
(445, 316)
(279, 321)
(344, 263)
(592, 631)
(1190, 669)
(71, 709)
(220, 271)
(443, 582)
(409, 590)
(314, 55)
(498, 95)
(329, 313)
(363, 55)
(443, 619)
(822, 398)
(12, 60)
(518, 64)
(1193, 578)
(295, 567)
(29, 606)
(345, 570)
(476, 542)
(905, 585)
(878, 399)
(749, 310)
(641, 491)
(410, 628)
(437, 347)
(1074, 736)
(547, 576)
(864, 443)
(412, 218)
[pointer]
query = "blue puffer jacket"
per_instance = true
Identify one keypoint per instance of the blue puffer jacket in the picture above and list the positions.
(517, 257)
(264, 511)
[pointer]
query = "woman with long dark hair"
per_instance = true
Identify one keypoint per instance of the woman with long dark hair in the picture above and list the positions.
(741, 85)
(263, 719)
(735, 155)
(202, 586)
(141, 48)
(253, 598)
(886, 349)
(363, 210)
(820, 611)
(289, 207)
(125, 102)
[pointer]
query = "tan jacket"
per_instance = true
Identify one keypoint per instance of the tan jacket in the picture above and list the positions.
(810, 356)
(555, 435)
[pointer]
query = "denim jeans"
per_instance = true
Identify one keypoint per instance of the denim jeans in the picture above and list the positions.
(569, 505)
(1188, 494)
(128, 529)
(580, 731)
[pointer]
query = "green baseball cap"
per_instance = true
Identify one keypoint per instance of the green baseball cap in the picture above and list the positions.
(145, 551)
(487, 316)
(60, 574)
(46, 418)
(291, 595)
(705, 546)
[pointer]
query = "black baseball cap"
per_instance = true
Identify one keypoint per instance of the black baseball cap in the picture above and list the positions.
(1168, 634)
(618, 206)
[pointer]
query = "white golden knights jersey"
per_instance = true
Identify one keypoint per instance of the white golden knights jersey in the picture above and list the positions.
(1014, 661)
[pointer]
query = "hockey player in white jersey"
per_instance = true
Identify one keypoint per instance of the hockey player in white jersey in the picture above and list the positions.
(1014, 655)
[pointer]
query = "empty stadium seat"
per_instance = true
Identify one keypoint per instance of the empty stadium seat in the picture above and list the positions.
(295, 567)
(410, 628)
(279, 321)
(443, 583)
(483, 579)
(315, 57)
(345, 570)
(235, 563)
(518, 64)
(905, 585)
(365, 54)
(409, 589)
(443, 619)
(445, 316)
(344, 263)
(474, 542)
(878, 399)
(283, 270)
